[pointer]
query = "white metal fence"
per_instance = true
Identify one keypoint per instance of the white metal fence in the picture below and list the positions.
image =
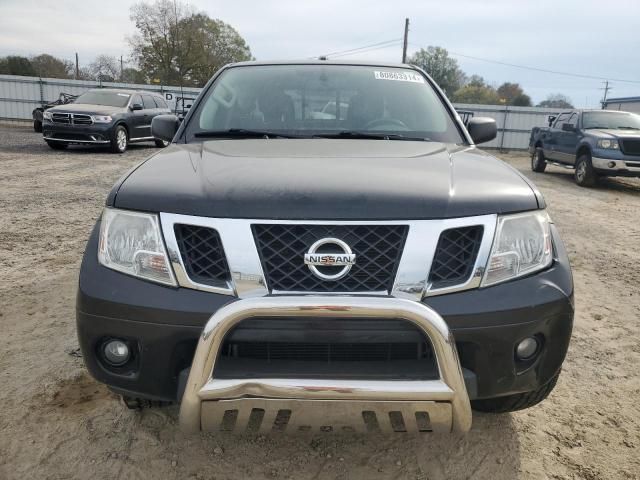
(20, 95)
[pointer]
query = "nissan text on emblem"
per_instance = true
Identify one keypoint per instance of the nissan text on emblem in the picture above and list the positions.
(328, 254)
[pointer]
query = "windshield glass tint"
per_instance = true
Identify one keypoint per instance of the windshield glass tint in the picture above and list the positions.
(612, 120)
(109, 99)
(307, 100)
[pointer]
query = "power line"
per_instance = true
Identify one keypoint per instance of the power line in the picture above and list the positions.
(339, 53)
(394, 44)
(537, 69)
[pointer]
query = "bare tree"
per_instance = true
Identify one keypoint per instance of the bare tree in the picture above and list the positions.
(105, 68)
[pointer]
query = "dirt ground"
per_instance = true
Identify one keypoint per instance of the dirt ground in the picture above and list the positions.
(56, 422)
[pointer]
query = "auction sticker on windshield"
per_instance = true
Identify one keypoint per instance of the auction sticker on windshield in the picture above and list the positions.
(399, 76)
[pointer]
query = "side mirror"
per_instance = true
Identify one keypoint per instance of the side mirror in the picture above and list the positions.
(136, 106)
(164, 127)
(551, 119)
(482, 129)
(568, 127)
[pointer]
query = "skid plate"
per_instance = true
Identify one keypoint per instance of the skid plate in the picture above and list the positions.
(262, 415)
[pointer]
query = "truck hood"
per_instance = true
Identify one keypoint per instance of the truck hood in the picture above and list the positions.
(87, 108)
(324, 179)
(615, 133)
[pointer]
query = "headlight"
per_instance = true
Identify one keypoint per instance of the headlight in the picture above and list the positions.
(608, 144)
(46, 115)
(131, 242)
(522, 245)
(101, 118)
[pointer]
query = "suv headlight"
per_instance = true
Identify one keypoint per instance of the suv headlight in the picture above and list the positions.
(131, 242)
(608, 144)
(101, 118)
(521, 246)
(46, 115)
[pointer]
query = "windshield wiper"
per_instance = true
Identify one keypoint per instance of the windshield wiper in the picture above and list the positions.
(628, 128)
(368, 135)
(240, 133)
(598, 127)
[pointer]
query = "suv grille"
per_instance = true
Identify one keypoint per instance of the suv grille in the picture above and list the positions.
(631, 147)
(72, 118)
(203, 255)
(377, 248)
(455, 256)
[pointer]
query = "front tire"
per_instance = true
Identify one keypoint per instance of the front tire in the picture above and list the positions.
(161, 143)
(538, 163)
(585, 175)
(513, 403)
(37, 126)
(119, 140)
(57, 145)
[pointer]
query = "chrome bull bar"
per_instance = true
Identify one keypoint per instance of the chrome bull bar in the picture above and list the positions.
(209, 403)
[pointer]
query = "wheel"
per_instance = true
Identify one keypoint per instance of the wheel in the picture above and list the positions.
(512, 403)
(37, 126)
(57, 145)
(538, 163)
(119, 140)
(161, 143)
(585, 175)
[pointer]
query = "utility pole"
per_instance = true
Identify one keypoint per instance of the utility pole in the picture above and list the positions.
(77, 69)
(406, 38)
(606, 89)
(121, 69)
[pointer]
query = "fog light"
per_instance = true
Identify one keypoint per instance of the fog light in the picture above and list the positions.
(116, 352)
(611, 164)
(527, 348)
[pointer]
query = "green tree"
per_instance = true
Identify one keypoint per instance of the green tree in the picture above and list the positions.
(556, 100)
(133, 75)
(16, 65)
(175, 44)
(441, 67)
(476, 93)
(48, 66)
(513, 94)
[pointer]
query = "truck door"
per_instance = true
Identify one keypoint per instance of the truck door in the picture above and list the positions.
(568, 140)
(550, 138)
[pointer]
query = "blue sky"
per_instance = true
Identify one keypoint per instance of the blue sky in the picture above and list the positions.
(585, 37)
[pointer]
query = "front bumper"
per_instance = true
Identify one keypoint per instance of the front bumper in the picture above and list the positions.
(627, 166)
(97, 133)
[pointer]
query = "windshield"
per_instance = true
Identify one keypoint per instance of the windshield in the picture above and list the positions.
(324, 100)
(109, 99)
(611, 120)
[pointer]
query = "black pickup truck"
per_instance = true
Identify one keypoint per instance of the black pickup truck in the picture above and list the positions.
(593, 142)
(373, 269)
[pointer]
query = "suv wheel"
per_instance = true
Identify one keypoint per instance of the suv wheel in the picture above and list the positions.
(161, 143)
(37, 126)
(57, 145)
(585, 175)
(120, 140)
(538, 163)
(512, 403)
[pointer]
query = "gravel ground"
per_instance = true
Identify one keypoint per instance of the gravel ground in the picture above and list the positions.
(56, 422)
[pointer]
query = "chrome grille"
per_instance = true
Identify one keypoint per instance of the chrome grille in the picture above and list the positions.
(61, 118)
(455, 256)
(71, 118)
(80, 119)
(202, 254)
(377, 248)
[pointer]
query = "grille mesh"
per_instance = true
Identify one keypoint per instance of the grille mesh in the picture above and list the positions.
(455, 256)
(328, 352)
(631, 147)
(377, 248)
(202, 254)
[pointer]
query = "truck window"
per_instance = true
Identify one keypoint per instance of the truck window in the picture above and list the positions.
(562, 118)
